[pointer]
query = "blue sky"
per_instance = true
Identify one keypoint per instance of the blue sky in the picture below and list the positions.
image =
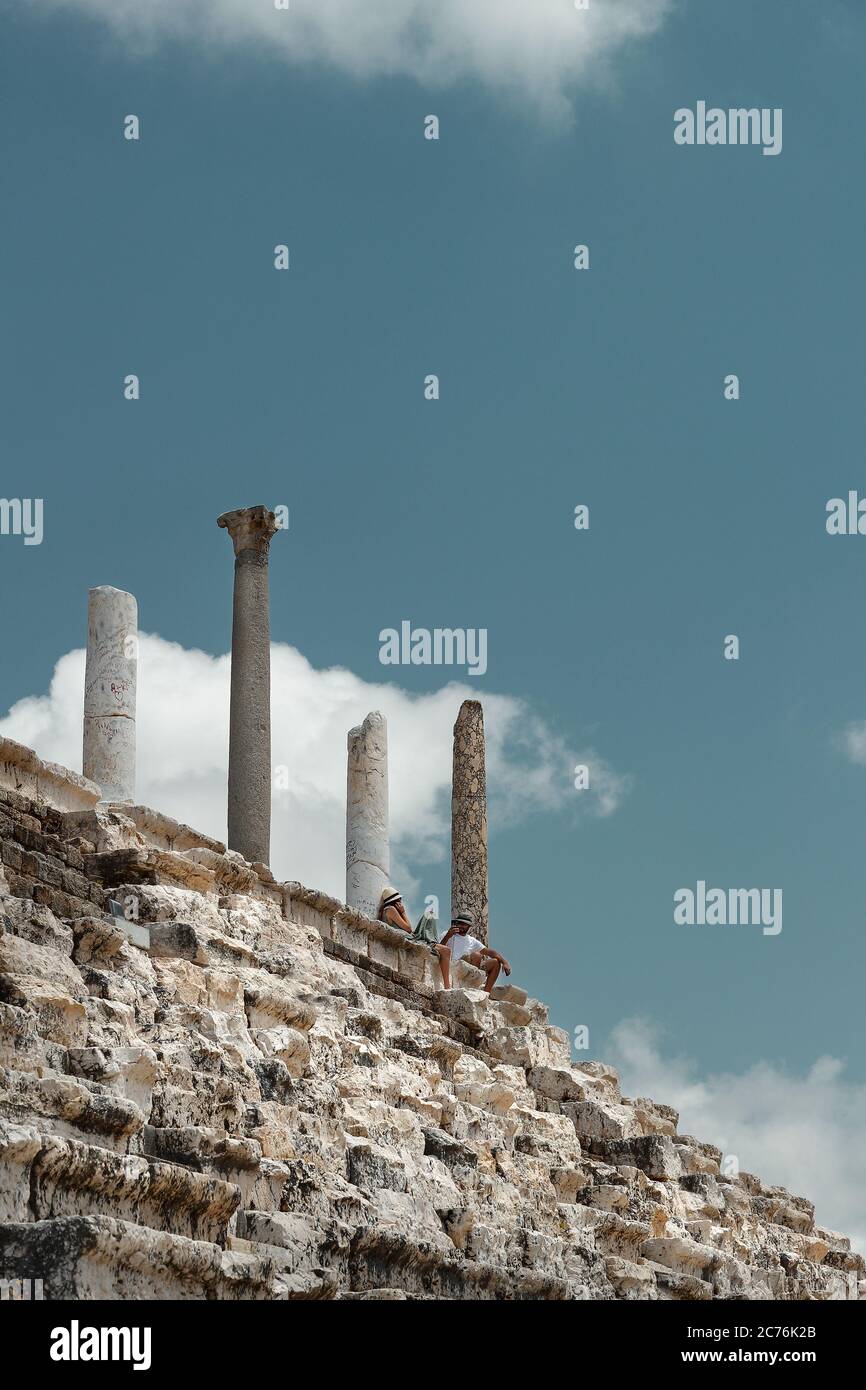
(605, 387)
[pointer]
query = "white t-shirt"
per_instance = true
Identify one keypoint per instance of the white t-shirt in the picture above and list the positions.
(464, 945)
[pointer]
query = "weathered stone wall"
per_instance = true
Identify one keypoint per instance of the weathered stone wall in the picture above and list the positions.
(274, 1099)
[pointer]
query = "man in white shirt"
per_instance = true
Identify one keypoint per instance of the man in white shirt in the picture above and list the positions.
(465, 946)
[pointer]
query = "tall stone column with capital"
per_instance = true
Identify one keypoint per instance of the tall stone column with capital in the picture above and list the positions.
(368, 854)
(249, 809)
(109, 692)
(469, 818)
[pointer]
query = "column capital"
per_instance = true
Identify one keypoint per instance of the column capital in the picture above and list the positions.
(251, 528)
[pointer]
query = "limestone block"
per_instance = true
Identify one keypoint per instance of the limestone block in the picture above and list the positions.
(23, 1048)
(511, 994)
(47, 983)
(673, 1285)
(556, 1083)
(370, 1118)
(596, 1120)
(607, 1197)
(36, 922)
(402, 1213)
(199, 944)
(468, 1006)
(372, 1166)
(298, 1238)
(538, 1012)
(547, 1134)
(513, 1015)
(568, 1182)
(287, 1045)
(129, 1071)
(616, 1235)
(163, 832)
(794, 1218)
(630, 1280)
(653, 1118)
(353, 937)
(26, 961)
(67, 1106)
(466, 976)
(268, 1003)
(527, 1047)
(490, 1094)
(681, 1255)
(604, 1077)
(23, 772)
(97, 940)
(692, 1159)
(384, 952)
(99, 1257)
(420, 966)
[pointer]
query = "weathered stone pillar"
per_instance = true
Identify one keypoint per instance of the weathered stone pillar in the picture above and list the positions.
(249, 809)
(109, 692)
(469, 818)
(368, 853)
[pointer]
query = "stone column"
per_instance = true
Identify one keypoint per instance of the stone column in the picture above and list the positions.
(109, 692)
(469, 818)
(368, 854)
(249, 809)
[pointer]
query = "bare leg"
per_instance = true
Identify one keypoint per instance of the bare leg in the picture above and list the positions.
(492, 967)
(445, 964)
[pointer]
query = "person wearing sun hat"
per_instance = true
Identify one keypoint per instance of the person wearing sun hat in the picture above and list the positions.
(465, 946)
(425, 932)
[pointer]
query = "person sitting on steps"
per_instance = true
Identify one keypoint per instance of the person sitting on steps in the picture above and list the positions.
(392, 911)
(464, 946)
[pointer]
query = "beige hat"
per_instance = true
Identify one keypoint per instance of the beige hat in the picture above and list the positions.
(389, 897)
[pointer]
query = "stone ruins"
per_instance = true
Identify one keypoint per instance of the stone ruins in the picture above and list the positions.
(215, 1085)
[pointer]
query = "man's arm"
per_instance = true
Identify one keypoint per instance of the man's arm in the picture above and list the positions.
(489, 951)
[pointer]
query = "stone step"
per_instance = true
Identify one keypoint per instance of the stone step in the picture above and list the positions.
(510, 994)
(86, 1258)
(48, 1177)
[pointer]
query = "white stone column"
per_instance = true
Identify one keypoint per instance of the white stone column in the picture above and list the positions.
(368, 853)
(109, 693)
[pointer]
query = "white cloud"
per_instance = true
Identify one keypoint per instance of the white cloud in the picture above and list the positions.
(854, 743)
(806, 1133)
(539, 48)
(183, 704)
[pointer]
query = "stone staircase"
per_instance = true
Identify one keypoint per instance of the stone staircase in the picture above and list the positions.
(272, 1099)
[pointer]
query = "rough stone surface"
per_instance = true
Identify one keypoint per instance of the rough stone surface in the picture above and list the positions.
(273, 1102)
(109, 692)
(368, 854)
(469, 818)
